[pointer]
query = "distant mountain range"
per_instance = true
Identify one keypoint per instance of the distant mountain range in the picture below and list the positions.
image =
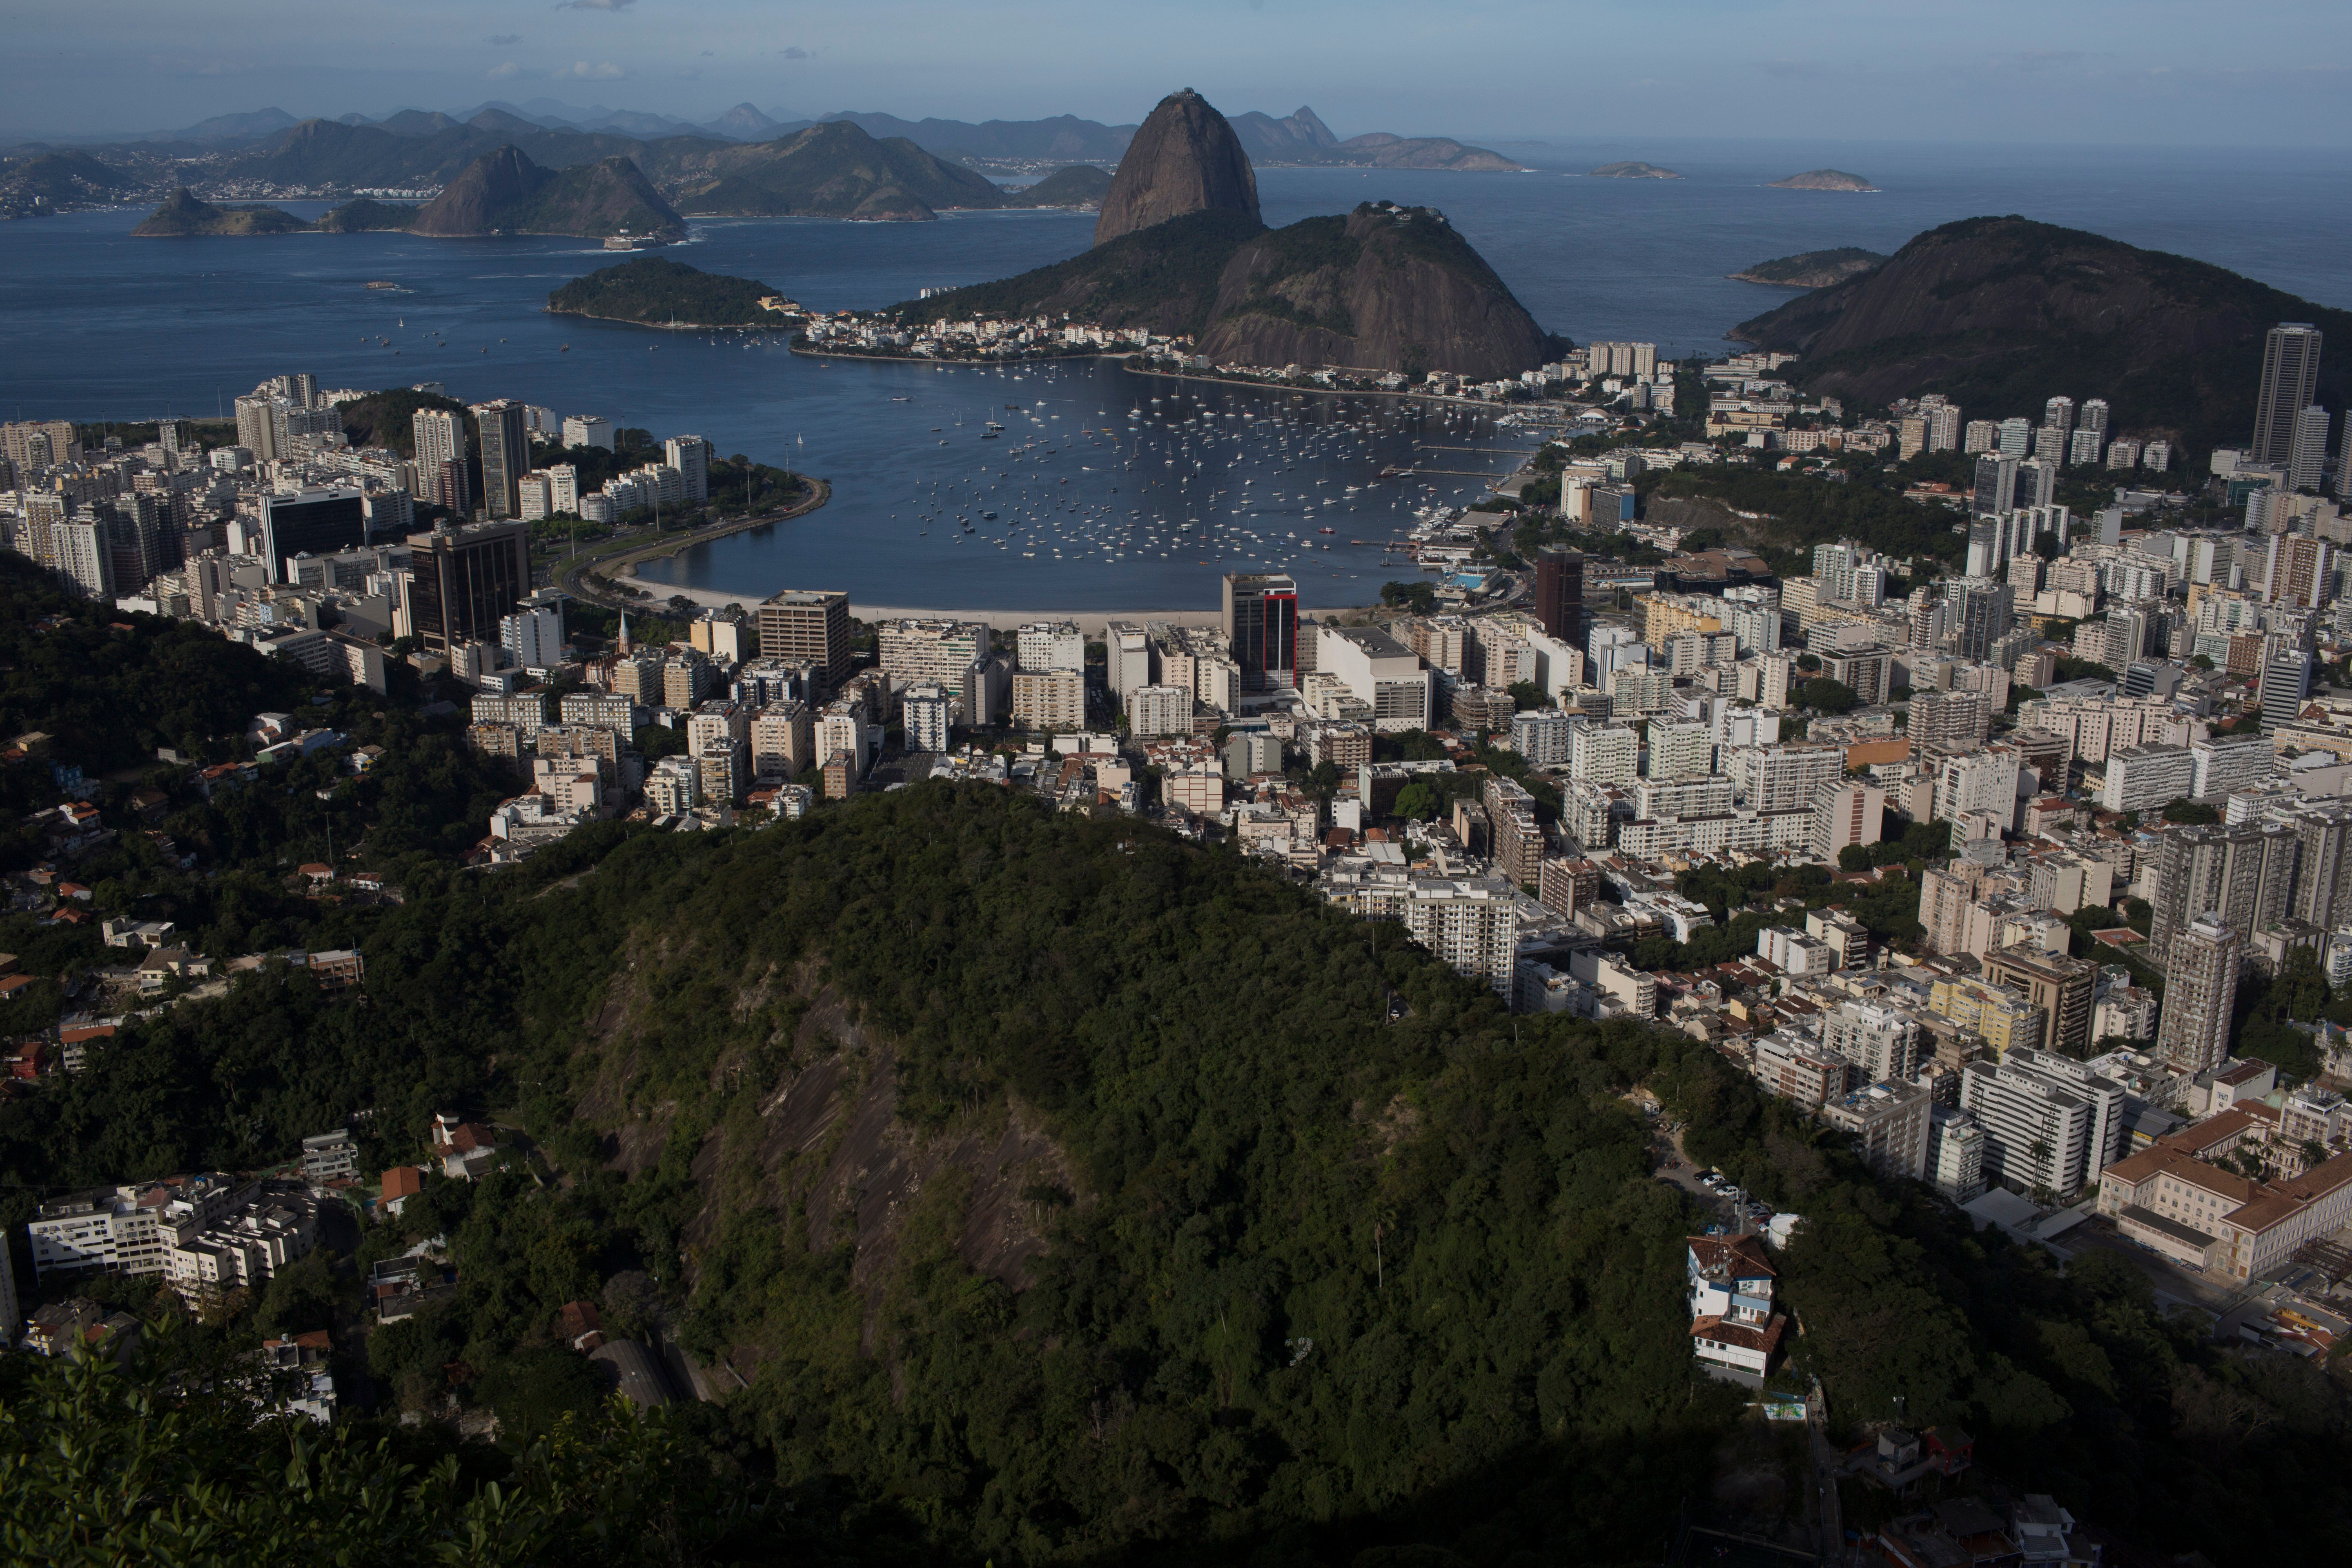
(1300, 137)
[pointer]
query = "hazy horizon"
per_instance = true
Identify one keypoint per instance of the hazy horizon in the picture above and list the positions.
(2002, 72)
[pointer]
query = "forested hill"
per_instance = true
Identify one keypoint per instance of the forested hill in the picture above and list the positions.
(1063, 1192)
(2001, 313)
(658, 291)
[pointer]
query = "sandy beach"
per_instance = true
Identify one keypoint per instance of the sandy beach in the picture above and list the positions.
(1000, 620)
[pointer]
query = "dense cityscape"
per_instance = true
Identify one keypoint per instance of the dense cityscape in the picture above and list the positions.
(1777, 992)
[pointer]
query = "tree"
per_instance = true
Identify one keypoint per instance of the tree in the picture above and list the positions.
(1830, 696)
(1417, 801)
(2192, 812)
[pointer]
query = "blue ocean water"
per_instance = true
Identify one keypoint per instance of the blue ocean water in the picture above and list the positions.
(96, 324)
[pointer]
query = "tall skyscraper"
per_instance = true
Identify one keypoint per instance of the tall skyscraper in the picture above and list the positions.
(2290, 385)
(2094, 415)
(2016, 436)
(467, 580)
(2058, 414)
(1261, 615)
(2200, 988)
(690, 455)
(506, 455)
(1559, 592)
(256, 426)
(802, 625)
(311, 523)
(1979, 615)
(1995, 486)
(2308, 454)
(2286, 683)
(2239, 874)
(2037, 481)
(439, 435)
(1943, 424)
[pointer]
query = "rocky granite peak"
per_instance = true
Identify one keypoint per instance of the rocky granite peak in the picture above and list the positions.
(1184, 159)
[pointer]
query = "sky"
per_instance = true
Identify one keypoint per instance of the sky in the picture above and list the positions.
(2139, 72)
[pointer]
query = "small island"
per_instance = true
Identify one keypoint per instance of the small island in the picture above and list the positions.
(1633, 171)
(1823, 180)
(1811, 268)
(1081, 185)
(183, 217)
(366, 216)
(654, 292)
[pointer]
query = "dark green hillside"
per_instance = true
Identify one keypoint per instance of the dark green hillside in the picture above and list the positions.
(657, 290)
(1164, 276)
(2002, 313)
(365, 216)
(1079, 185)
(183, 217)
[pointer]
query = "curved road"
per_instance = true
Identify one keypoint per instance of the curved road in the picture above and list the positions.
(571, 573)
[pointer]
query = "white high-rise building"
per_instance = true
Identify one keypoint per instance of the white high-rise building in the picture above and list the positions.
(1153, 711)
(2050, 1122)
(1050, 645)
(690, 455)
(1382, 673)
(440, 437)
(1955, 1153)
(534, 638)
(588, 430)
(2307, 455)
(2201, 989)
(1606, 754)
(85, 554)
(1682, 749)
(1470, 923)
(929, 713)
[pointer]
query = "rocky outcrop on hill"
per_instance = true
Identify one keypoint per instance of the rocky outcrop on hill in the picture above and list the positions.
(1185, 159)
(183, 217)
(505, 193)
(1385, 287)
(2001, 313)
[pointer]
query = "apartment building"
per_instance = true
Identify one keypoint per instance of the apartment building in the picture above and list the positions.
(1049, 699)
(1888, 1122)
(1470, 924)
(2050, 1124)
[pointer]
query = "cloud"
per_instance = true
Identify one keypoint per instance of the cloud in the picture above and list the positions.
(596, 5)
(504, 39)
(794, 52)
(581, 70)
(506, 71)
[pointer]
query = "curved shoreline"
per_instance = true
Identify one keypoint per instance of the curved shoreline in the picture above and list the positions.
(620, 566)
(668, 326)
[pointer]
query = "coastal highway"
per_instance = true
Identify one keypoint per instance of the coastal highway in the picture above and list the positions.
(571, 573)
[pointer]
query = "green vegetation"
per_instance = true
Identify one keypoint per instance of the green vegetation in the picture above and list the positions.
(1812, 269)
(1805, 512)
(1079, 185)
(110, 1465)
(387, 418)
(1062, 1191)
(365, 216)
(1165, 276)
(183, 217)
(658, 291)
